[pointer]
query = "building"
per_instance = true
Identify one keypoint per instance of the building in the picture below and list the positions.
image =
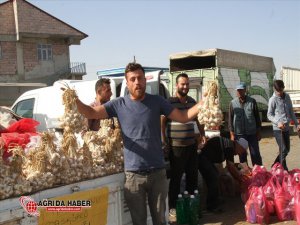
(34, 49)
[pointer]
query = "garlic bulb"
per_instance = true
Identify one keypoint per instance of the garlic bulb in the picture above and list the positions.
(209, 112)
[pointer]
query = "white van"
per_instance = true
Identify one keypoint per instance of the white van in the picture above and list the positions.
(45, 104)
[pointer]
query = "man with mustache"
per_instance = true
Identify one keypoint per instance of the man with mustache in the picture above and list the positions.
(244, 122)
(103, 94)
(139, 116)
(182, 140)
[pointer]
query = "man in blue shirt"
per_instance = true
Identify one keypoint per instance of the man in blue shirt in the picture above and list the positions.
(139, 116)
(280, 113)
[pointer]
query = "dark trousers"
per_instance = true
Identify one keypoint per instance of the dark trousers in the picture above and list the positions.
(182, 159)
(211, 176)
(283, 141)
(253, 148)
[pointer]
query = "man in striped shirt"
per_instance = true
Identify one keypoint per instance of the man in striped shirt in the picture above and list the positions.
(182, 141)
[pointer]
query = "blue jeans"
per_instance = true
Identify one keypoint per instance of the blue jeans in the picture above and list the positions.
(283, 141)
(253, 148)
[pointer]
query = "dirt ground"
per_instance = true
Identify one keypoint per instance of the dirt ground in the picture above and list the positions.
(233, 207)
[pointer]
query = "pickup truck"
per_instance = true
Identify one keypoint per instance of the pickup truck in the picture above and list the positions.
(45, 106)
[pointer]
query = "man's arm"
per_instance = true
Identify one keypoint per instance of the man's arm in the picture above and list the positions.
(184, 116)
(271, 111)
(98, 112)
(256, 115)
(202, 139)
(292, 113)
(230, 122)
(163, 121)
(257, 120)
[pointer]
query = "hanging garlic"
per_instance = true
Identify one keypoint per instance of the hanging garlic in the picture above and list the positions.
(209, 112)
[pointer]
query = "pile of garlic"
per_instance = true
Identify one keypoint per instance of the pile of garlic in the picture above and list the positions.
(6, 179)
(44, 163)
(12, 181)
(106, 147)
(210, 113)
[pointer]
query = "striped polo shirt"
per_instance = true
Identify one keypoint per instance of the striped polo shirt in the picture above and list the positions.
(181, 134)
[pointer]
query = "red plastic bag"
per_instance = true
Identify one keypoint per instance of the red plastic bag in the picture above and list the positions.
(260, 178)
(269, 190)
(283, 203)
(287, 184)
(18, 134)
(255, 208)
(278, 171)
(296, 181)
(22, 126)
(15, 139)
(297, 206)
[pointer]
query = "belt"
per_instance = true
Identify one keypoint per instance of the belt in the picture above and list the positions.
(145, 172)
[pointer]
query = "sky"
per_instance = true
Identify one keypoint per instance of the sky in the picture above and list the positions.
(151, 30)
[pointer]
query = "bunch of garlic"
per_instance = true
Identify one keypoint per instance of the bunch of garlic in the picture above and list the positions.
(44, 163)
(13, 178)
(6, 179)
(210, 113)
(72, 120)
(106, 148)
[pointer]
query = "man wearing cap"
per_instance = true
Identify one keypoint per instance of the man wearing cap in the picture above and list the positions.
(244, 122)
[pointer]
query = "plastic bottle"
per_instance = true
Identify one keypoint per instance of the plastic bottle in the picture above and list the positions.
(186, 198)
(181, 217)
(197, 197)
(193, 217)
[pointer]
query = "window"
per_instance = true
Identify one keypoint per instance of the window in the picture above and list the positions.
(25, 108)
(44, 52)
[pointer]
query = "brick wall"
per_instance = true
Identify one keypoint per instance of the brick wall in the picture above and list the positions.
(35, 20)
(7, 19)
(34, 68)
(8, 63)
(60, 49)
(30, 56)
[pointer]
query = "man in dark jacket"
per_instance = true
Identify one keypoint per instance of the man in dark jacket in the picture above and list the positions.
(244, 122)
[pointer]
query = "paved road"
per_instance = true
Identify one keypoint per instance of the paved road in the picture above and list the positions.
(233, 207)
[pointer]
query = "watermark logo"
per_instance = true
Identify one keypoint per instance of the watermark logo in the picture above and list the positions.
(31, 206)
